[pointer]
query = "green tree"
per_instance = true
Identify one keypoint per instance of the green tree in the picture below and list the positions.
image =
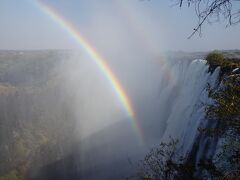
(216, 58)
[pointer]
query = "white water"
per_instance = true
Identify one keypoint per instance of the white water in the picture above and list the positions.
(183, 98)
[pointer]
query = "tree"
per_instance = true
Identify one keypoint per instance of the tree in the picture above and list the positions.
(164, 162)
(212, 11)
(226, 106)
(215, 58)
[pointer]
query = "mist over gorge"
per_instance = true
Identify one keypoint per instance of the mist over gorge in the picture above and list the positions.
(120, 89)
(61, 118)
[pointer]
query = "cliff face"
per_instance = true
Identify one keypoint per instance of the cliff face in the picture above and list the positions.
(33, 113)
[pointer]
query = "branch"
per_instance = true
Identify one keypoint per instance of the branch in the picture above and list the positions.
(206, 8)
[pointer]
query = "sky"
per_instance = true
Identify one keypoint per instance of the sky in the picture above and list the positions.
(111, 25)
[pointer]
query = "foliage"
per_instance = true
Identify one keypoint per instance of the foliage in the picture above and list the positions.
(216, 58)
(164, 162)
(226, 107)
(226, 61)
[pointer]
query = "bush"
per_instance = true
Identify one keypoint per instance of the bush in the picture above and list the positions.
(164, 162)
(216, 58)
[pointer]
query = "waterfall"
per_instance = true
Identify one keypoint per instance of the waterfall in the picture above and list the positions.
(183, 98)
(169, 98)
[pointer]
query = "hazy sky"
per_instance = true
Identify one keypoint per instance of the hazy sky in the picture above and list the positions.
(155, 25)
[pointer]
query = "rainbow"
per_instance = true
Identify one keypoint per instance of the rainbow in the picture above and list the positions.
(96, 57)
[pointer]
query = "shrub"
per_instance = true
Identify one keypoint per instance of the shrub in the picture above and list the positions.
(216, 58)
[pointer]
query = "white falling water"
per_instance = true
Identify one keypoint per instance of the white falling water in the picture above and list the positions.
(183, 97)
